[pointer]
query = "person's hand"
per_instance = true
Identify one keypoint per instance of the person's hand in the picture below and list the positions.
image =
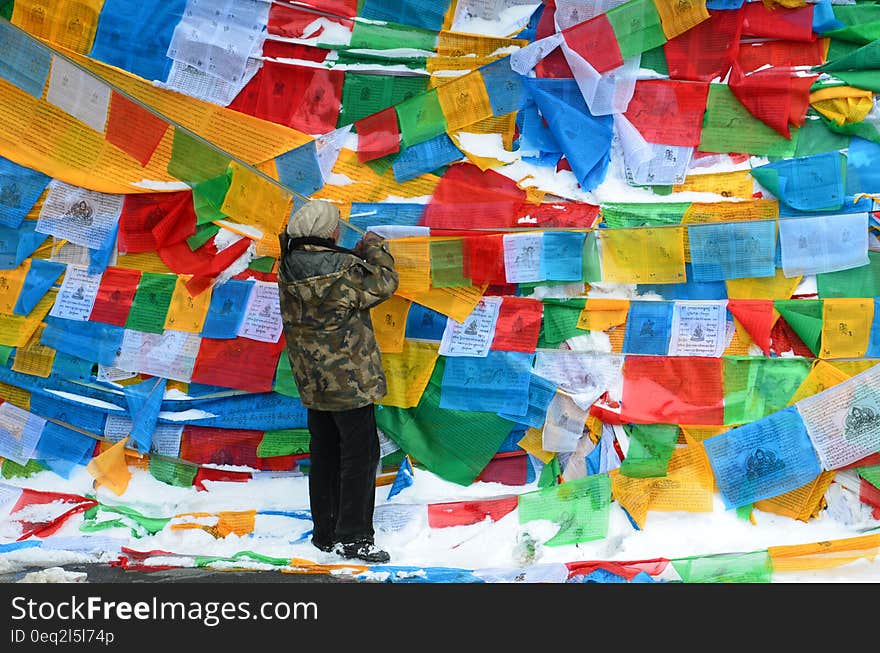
(366, 239)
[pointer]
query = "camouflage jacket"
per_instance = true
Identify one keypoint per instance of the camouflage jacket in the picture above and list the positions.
(326, 296)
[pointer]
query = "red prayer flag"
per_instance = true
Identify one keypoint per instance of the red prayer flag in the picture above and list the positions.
(202, 444)
(554, 64)
(518, 325)
(115, 295)
(596, 42)
(752, 56)
(672, 390)
(463, 513)
(778, 22)
(766, 94)
(204, 261)
(218, 475)
(284, 50)
(133, 129)
(378, 135)
(292, 21)
(558, 214)
(150, 220)
(483, 260)
(756, 317)
(628, 570)
(508, 468)
(238, 363)
(783, 338)
(347, 8)
(469, 198)
(668, 112)
(707, 50)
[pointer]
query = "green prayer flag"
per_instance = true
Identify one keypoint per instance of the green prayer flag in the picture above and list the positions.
(456, 445)
(868, 80)
(383, 164)
(550, 473)
(365, 94)
(262, 264)
(150, 306)
(12, 469)
(870, 473)
(804, 316)
(816, 138)
(393, 459)
(420, 118)
(446, 264)
(729, 127)
(864, 129)
(6, 9)
(755, 387)
(193, 161)
(208, 197)
(151, 525)
(655, 60)
(5, 353)
(857, 14)
(283, 442)
(390, 36)
(97, 526)
(755, 567)
(591, 269)
(203, 234)
(650, 449)
(866, 57)
(581, 507)
(561, 318)
(745, 512)
(858, 34)
(204, 561)
(173, 473)
(636, 25)
(863, 281)
(622, 216)
(285, 384)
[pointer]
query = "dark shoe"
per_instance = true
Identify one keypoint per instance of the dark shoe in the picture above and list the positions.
(361, 550)
(326, 547)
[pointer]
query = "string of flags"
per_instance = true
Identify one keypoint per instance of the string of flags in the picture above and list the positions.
(143, 182)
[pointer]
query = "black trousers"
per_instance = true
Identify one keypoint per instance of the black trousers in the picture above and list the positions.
(344, 455)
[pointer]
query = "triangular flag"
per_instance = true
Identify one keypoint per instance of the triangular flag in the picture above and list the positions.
(144, 402)
(804, 316)
(756, 317)
(110, 469)
(403, 479)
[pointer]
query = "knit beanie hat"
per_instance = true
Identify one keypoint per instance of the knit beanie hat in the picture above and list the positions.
(318, 218)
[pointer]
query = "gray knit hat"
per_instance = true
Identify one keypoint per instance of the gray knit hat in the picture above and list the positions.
(318, 218)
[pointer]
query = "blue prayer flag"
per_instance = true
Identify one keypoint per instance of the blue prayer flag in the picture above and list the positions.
(425, 157)
(498, 382)
(423, 323)
(300, 170)
(99, 258)
(62, 449)
(226, 310)
(24, 62)
(18, 244)
(535, 134)
(136, 36)
(403, 479)
(20, 188)
(78, 414)
(419, 13)
(862, 167)
(808, 183)
(541, 392)
(41, 276)
(562, 256)
(144, 401)
(732, 251)
(762, 459)
(503, 85)
(647, 328)
(584, 138)
(101, 342)
(690, 289)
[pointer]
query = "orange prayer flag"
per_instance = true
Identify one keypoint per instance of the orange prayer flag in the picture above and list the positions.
(132, 129)
(110, 469)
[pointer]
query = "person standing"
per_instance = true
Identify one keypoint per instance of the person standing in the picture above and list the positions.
(326, 293)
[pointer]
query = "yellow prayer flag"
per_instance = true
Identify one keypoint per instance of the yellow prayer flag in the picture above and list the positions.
(801, 503)
(34, 358)
(504, 125)
(11, 282)
(533, 442)
(238, 523)
(678, 16)
(389, 323)
(408, 373)
(843, 104)
(710, 212)
(110, 469)
(16, 330)
(185, 312)
(741, 343)
(823, 555)
(72, 24)
(601, 314)
(146, 261)
(851, 368)
(821, 377)
(303, 566)
(255, 201)
(15, 396)
(464, 101)
(456, 302)
(775, 287)
(643, 255)
(727, 184)
(698, 433)
(846, 326)
(412, 260)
